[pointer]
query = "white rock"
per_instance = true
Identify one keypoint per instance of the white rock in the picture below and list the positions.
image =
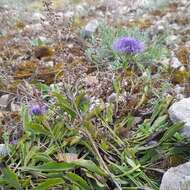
(187, 44)
(180, 111)
(42, 38)
(69, 14)
(182, 68)
(112, 98)
(175, 63)
(34, 27)
(15, 107)
(161, 28)
(49, 63)
(92, 26)
(180, 96)
(37, 17)
(179, 89)
(70, 46)
(170, 40)
(4, 100)
(175, 26)
(177, 178)
(3, 150)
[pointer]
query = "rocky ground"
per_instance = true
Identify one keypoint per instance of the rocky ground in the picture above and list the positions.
(65, 30)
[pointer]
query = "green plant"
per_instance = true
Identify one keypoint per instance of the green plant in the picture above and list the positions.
(101, 50)
(66, 148)
(38, 42)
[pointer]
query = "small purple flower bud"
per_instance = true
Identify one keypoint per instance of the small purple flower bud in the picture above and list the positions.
(128, 45)
(14, 141)
(38, 109)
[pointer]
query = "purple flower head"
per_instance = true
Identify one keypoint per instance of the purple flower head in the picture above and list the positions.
(128, 45)
(38, 109)
(14, 141)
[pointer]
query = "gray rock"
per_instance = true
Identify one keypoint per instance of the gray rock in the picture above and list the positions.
(177, 178)
(179, 89)
(161, 28)
(188, 44)
(37, 17)
(112, 98)
(4, 100)
(3, 150)
(15, 107)
(180, 111)
(175, 63)
(180, 96)
(90, 28)
(69, 14)
(172, 39)
(34, 27)
(175, 27)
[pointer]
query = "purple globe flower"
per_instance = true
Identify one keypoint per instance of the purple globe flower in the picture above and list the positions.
(128, 45)
(38, 109)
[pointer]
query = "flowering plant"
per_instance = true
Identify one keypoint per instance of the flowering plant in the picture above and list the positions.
(38, 109)
(128, 45)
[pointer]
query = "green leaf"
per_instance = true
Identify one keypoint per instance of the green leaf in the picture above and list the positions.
(160, 108)
(43, 88)
(96, 111)
(29, 155)
(51, 167)
(79, 98)
(49, 183)
(2, 181)
(38, 129)
(38, 42)
(11, 178)
(65, 104)
(159, 122)
(117, 85)
(91, 129)
(82, 102)
(76, 179)
(98, 184)
(54, 167)
(25, 117)
(41, 157)
(74, 187)
(109, 114)
(171, 131)
(90, 166)
(59, 130)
